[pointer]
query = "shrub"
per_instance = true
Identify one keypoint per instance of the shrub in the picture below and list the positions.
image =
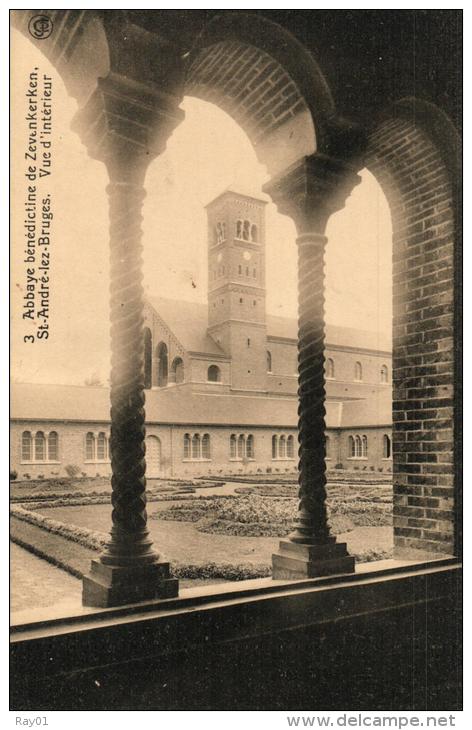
(254, 515)
(72, 470)
(227, 571)
(13, 474)
(339, 466)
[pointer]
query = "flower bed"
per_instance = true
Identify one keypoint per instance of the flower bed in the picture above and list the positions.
(262, 512)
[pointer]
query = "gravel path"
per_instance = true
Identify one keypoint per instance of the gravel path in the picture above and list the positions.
(35, 583)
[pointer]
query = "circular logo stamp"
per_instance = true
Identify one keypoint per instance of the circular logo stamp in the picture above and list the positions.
(40, 27)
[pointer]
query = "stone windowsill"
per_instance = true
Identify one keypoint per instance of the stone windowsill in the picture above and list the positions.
(196, 460)
(39, 463)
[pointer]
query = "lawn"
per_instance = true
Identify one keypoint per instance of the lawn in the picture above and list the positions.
(225, 531)
(240, 528)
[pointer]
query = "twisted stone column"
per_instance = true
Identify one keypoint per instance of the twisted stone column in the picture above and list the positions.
(129, 570)
(311, 524)
(309, 192)
(126, 124)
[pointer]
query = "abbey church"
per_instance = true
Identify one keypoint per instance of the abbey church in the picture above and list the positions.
(220, 380)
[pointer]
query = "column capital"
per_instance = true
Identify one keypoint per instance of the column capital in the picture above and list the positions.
(312, 189)
(126, 124)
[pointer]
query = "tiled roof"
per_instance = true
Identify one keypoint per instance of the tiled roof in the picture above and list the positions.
(335, 336)
(179, 405)
(189, 322)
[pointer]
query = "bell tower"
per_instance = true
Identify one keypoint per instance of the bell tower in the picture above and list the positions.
(236, 286)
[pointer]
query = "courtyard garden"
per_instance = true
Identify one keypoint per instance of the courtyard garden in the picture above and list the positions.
(210, 530)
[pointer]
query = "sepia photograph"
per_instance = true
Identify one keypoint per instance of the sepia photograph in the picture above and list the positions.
(236, 362)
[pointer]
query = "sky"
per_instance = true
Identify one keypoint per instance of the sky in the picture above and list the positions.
(206, 154)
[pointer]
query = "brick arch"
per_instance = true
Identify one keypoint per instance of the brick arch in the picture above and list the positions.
(409, 164)
(247, 83)
(268, 82)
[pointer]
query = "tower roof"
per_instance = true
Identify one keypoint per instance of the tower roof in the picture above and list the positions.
(229, 192)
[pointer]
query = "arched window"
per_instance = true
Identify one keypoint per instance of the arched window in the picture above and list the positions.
(387, 447)
(250, 447)
(196, 446)
(239, 229)
(364, 447)
(206, 454)
(290, 449)
(358, 371)
(163, 364)
(352, 447)
(274, 446)
(269, 361)
(254, 233)
(282, 448)
(330, 367)
(214, 374)
(147, 358)
(101, 447)
(240, 269)
(39, 447)
(246, 230)
(384, 374)
(187, 446)
(26, 446)
(241, 441)
(358, 446)
(89, 446)
(232, 446)
(220, 232)
(53, 446)
(178, 370)
(328, 447)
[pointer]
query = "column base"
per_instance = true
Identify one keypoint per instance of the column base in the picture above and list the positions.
(298, 561)
(107, 585)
